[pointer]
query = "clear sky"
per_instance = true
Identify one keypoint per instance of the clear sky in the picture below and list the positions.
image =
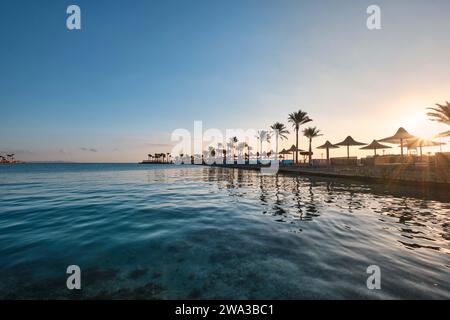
(115, 90)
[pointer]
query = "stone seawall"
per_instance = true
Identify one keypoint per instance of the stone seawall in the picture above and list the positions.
(400, 173)
(397, 173)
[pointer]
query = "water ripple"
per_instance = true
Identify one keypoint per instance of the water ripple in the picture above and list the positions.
(195, 232)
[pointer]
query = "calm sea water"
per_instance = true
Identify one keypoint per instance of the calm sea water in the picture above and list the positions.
(168, 232)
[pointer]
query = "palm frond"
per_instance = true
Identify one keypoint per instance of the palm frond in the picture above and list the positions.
(312, 132)
(298, 118)
(441, 113)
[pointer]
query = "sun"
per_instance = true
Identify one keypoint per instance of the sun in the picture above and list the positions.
(411, 114)
(418, 124)
(415, 123)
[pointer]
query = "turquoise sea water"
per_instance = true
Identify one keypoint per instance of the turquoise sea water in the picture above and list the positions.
(168, 232)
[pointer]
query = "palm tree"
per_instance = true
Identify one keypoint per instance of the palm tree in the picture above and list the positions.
(310, 133)
(262, 136)
(224, 152)
(212, 151)
(181, 157)
(232, 144)
(10, 157)
(280, 132)
(297, 119)
(241, 149)
(248, 151)
(441, 114)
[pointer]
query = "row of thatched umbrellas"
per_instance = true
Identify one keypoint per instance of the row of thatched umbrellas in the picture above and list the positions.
(401, 137)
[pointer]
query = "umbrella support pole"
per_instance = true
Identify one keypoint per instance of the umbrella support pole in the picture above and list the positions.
(401, 146)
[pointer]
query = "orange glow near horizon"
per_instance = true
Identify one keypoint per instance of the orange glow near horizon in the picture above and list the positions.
(409, 113)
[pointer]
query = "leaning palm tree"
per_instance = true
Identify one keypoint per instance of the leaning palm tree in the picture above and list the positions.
(280, 132)
(441, 114)
(310, 133)
(297, 119)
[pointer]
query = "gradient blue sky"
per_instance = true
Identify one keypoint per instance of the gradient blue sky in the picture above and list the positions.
(115, 90)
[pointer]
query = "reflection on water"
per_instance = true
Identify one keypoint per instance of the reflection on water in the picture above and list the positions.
(195, 232)
(419, 212)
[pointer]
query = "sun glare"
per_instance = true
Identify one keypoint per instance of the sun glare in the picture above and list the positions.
(418, 125)
(412, 115)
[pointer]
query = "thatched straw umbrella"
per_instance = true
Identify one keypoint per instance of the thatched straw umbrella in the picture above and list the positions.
(349, 141)
(375, 145)
(328, 145)
(442, 135)
(306, 154)
(420, 143)
(400, 136)
(284, 152)
(294, 150)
